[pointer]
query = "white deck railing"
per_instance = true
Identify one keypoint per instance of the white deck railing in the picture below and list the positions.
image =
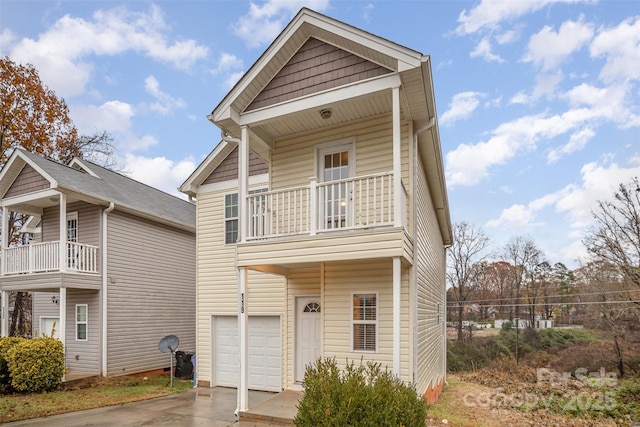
(354, 203)
(43, 257)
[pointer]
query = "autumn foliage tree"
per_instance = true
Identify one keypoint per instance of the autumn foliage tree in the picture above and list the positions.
(34, 118)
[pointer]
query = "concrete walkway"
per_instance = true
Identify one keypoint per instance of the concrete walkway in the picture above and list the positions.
(196, 407)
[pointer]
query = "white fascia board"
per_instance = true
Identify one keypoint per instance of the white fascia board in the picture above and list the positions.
(83, 166)
(254, 180)
(406, 57)
(319, 99)
(190, 184)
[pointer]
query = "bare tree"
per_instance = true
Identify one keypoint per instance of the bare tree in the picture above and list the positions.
(614, 245)
(523, 255)
(465, 256)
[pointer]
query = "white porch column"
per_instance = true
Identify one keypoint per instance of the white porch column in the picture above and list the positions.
(243, 180)
(5, 236)
(243, 320)
(397, 160)
(62, 327)
(397, 279)
(4, 312)
(63, 236)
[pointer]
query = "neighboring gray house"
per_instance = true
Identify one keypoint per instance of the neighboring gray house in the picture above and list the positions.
(111, 263)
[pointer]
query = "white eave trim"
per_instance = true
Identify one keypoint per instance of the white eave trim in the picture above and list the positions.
(316, 100)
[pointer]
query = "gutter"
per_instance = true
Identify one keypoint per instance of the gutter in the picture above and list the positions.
(104, 288)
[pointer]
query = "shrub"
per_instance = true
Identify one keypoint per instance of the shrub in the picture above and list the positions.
(5, 376)
(363, 395)
(36, 364)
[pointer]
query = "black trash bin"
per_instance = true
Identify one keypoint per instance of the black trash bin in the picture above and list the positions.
(184, 366)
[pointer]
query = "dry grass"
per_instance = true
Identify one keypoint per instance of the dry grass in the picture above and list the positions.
(85, 394)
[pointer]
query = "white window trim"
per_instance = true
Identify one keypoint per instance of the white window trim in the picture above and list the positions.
(236, 218)
(365, 322)
(86, 322)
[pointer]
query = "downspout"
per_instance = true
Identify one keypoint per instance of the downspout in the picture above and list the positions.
(414, 203)
(226, 137)
(104, 288)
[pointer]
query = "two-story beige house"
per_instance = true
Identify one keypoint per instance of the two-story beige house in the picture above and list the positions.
(110, 263)
(322, 215)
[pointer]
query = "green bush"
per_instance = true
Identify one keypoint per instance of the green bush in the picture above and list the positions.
(36, 364)
(363, 395)
(5, 376)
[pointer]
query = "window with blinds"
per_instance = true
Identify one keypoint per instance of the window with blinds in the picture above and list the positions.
(365, 322)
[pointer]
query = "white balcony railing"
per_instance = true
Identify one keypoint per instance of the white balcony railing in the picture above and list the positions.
(354, 203)
(44, 257)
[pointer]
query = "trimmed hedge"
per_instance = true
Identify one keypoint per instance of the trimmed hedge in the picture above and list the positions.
(6, 343)
(363, 395)
(32, 364)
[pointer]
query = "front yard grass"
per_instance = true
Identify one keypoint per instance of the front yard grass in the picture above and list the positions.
(85, 394)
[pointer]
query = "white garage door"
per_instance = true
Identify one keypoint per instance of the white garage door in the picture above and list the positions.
(264, 352)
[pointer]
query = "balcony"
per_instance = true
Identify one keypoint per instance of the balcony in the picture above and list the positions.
(364, 202)
(45, 257)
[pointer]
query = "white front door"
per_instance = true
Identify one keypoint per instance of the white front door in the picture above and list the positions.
(308, 312)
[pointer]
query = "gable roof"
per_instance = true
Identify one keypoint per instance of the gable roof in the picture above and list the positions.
(103, 186)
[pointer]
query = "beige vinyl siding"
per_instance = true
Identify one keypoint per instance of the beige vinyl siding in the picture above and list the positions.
(88, 223)
(294, 160)
(341, 280)
(430, 272)
(300, 282)
(151, 292)
(42, 306)
(83, 356)
(217, 287)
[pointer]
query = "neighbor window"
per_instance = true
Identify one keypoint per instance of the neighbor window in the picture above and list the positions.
(365, 322)
(81, 322)
(231, 218)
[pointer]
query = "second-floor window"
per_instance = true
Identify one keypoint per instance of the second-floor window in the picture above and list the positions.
(231, 218)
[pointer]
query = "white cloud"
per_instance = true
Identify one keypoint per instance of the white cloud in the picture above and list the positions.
(159, 172)
(516, 216)
(488, 14)
(461, 107)
(264, 22)
(521, 98)
(621, 48)
(577, 142)
(165, 103)
(548, 49)
(62, 53)
(226, 63)
(483, 50)
(546, 84)
(367, 12)
(112, 116)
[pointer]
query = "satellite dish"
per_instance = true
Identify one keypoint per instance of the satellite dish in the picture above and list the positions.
(169, 344)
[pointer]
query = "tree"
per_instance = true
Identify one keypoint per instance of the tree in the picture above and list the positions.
(524, 256)
(34, 118)
(615, 239)
(614, 245)
(464, 267)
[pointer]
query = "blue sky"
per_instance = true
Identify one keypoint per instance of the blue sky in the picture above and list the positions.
(538, 101)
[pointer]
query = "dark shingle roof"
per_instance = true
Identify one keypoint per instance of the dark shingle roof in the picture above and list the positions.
(113, 187)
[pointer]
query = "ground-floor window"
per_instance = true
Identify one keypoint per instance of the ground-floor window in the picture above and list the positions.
(81, 322)
(364, 335)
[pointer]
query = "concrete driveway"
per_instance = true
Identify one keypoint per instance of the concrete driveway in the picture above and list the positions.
(196, 407)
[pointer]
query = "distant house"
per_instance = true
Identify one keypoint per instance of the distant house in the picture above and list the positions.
(111, 264)
(323, 215)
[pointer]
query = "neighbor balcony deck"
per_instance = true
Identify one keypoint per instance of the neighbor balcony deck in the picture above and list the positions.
(45, 257)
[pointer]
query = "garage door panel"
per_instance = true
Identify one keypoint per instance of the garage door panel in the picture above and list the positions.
(265, 358)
